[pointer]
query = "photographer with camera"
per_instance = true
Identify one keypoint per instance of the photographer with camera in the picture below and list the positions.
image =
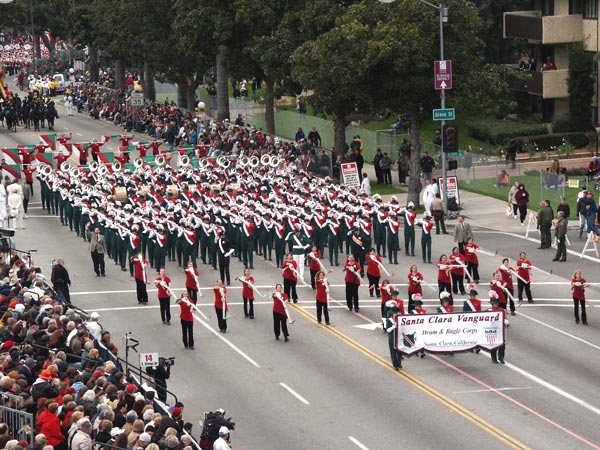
(161, 374)
(213, 421)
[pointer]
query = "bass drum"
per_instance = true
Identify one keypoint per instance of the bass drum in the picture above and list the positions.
(121, 194)
(172, 191)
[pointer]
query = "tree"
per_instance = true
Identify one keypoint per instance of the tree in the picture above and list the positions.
(581, 87)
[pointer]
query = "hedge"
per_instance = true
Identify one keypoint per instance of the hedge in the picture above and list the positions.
(497, 132)
(545, 142)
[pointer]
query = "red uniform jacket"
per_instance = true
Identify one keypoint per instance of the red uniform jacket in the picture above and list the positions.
(247, 291)
(578, 291)
(185, 313)
(322, 288)
(162, 292)
(352, 277)
(524, 272)
(190, 281)
(443, 273)
(287, 271)
(221, 298)
(278, 299)
(372, 266)
(415, 287)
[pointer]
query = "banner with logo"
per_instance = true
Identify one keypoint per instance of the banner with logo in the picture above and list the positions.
(449, 332)
(350, 174)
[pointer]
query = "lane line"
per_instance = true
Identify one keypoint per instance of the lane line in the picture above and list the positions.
(516, 402)
(558, 330)
(227, 341)
(294, 393)
(476, 391)
(554, 388)
(422, 386)
(358, 443)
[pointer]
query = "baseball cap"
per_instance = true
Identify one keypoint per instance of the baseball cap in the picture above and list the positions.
(223, 431)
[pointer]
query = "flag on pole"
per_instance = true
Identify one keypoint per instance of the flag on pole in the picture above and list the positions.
(77, 149)
(106, 157)
(107, 137)
(11, 156)
(45, 158)
(150, 159)
(12, 171)
(49, 140)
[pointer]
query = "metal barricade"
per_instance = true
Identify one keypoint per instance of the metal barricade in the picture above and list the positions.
(20, 423)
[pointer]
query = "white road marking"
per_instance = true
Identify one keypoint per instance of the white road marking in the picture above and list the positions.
(558, 330)
(476, 391)
(554, 388)
(369, 326)
(227, 341)
(358, 443)
(294, 393)
(47, 216)
(79, 134)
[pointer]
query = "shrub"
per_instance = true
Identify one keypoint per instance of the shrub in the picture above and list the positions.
(498, 132)
(547, 141)
(561, 124)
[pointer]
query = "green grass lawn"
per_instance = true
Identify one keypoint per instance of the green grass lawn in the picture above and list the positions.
(486, 186)
(382, 189)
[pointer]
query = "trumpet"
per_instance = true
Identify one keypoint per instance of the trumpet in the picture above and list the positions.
(265, 160)
(254, 161)
(102, 170)
(184, 160)
(93, 166)
(137, 162)
(203, 164)
(243, 161)
(65, 167)
(223, 162)
(160, 161)
(75, 172)
(116, 166)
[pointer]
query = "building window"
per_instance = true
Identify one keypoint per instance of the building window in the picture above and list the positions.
(575, 6)
(590, 9)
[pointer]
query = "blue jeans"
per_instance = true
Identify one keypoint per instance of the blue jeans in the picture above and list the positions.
(426, 176)
(591, 224)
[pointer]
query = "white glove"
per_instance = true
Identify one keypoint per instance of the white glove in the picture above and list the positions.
(443, 267)
(525, 266)
(416, 279)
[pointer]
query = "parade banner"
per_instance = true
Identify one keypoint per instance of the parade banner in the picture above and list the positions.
(49, 140)
(12, 171)
(106, 157)
(350, 174)
(449, 332)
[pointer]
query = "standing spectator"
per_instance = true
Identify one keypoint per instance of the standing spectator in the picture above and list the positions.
(427, 166)
(377, 165)
(82, 439)
(365, 184)
(60, 280)
(314, 138)
(437, 209)
(300, 136)
(462, 233)
(386, 169)
(544, 223)
(97, 249)
(187, 320)
(403, 162)
(565, 208)
(163, 283)
(591, 211)
(468, 164)
(582, 211)
(511, 153)
(522, 198)
(561, 237)
(512, 201)
(578, 285)
(357, 157)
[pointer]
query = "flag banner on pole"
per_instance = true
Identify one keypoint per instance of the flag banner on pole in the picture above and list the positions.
(107, 137)
(149, 159)
(130, 167)
(195, 163)
(65, 148)
(11, 156)
(49, 140)
(106, 157)
(12, 171)
(45, 158)
(453, 332)
(25, 147)
(77, 149)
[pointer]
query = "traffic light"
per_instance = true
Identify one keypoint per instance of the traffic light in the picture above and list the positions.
(450, 133)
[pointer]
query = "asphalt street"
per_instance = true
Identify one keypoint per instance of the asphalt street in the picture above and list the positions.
(333, 387)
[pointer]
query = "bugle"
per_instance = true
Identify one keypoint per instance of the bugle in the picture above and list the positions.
(203, 163)
(138, 163)
(243, 161)
(223, 162)
(102, 170)
(274, 161)
(184, 160)
(94, 166)
(254, 161)
(265, 160)
(116, 166)
(65, 167)
(75, 172)
(46, 170)
(160, 161)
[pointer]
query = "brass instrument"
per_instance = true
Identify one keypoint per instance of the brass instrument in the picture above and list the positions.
(102, 170)
(184, 160)
(138, 163)
(254, 161)
(46, 170)
(65, 167)
(94, 166)
(75, 172)
(116, 166)
(265, 160)
(203, 163)
(243, 161)
(160, 161)
(223, 162)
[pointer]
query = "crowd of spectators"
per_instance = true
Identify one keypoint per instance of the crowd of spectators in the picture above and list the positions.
(53, 367)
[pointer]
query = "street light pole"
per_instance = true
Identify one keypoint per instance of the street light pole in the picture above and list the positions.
(443, 14)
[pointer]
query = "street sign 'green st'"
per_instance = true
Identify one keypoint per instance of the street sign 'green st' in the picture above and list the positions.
(443, 114)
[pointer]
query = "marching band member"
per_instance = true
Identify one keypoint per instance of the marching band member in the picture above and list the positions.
(426, 225)
(457, 271)
(390, 326)
(224, 252)
(322, 297)
(187, 320)
(497, 354)
(192, 284)
(578, 285)
(373, 272)
(472, 260)
(497, 285)
(247, 292)
(445, 307)
(352, 278)
(290, 277)
(299, 246)
(415, 279)
(141, 278)
(386, 289)
(280, 316)
(472, 304)
(524, 277)
(314, 265)
(506, 272)
(221, 306)
(163, 283)
(444, 276)
(409, 228)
